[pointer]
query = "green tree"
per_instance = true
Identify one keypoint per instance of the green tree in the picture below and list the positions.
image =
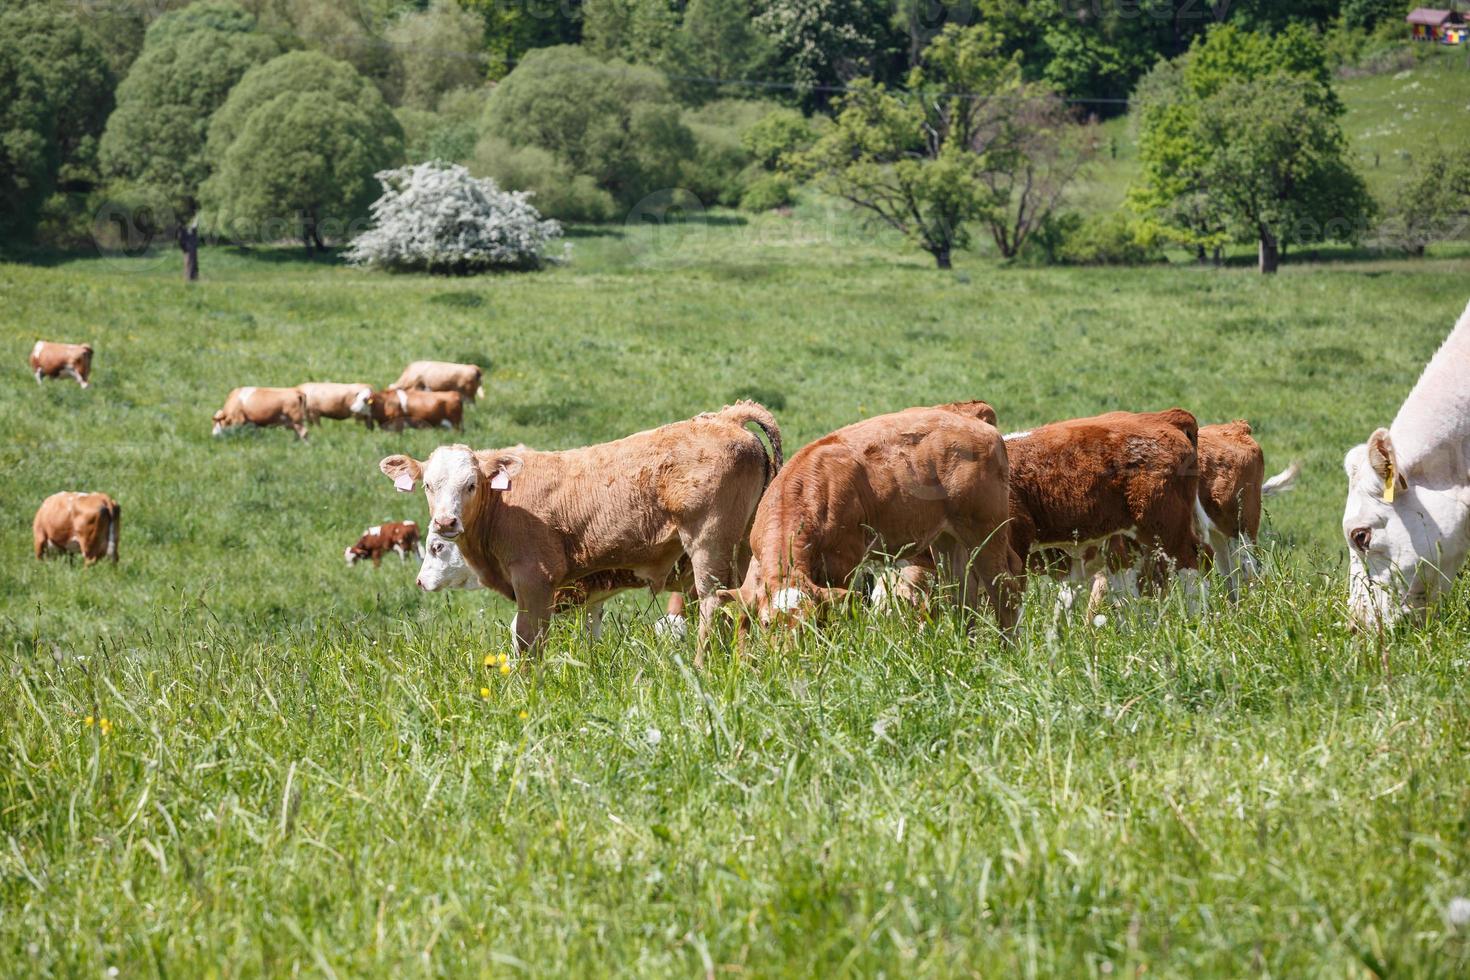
(435, 51)
(155, 139)
(57, 93)
(917, 160)
(1433, 205)
(614, 123)
(821, 44)
(304, 163)
(512, 30)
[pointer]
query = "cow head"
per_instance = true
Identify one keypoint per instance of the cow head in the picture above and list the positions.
(362, 403)
(219, 422)
(444, 567)
(1405, 535)
(354, 554)
(787, 603)
(452, 476)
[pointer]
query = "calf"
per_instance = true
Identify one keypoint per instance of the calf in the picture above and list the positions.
(72, 522)
(329, 400)
(532, 522)
(284, 407)
(1076, 484)
(441, 376)
(378, 540)
(395, 409)
(1228, 509)
(926, 481)
(51, 360)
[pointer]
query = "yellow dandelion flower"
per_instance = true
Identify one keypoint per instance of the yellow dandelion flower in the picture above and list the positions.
(105, 726)
(490, 660)
(505, 668)
(504, 659)
(90, 721)
(485, 692)
(523, 716)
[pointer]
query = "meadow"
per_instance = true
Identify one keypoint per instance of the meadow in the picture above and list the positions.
(310, 768)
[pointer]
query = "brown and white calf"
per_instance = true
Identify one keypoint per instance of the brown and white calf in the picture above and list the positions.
(330, 400)
(442, 376)
(263, 407)
(928, 482)
(51, 360)
(1077, 484)
(378, 540)
(1232, 483)
(77, 523)
(529, 523)
(395, 409)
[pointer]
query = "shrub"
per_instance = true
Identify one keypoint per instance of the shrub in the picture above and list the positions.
(1098, 239)
(559, 193)
(767, 192)
(438, 218)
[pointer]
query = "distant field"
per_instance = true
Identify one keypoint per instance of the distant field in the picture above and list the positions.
(303, 774)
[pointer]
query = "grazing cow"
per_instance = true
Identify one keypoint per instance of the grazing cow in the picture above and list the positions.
(1232, 482)
(441, 376)
(1076, 484)
(1407, 518)
(329, 400)
(923, 481)
(531, 522)
(50, 360)
(378, 540)
(284, 407)
(394, 409)
(72, 522)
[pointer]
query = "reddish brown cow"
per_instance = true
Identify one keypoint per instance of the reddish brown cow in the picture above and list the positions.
(441, 376)
(284, 407)
(72, 522)
(1232, 483)
(378, 540)
(529, 523)
(330, 400)
(929, 481)
(417, 409)
(51, 360)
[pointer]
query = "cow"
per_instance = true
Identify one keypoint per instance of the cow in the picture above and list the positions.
(442, 376)
(444, 567)
(52, 360)
(396, 408)
(378, 540)
(1232, 482)
(1407, 516)
(75, 522)
(284, 407)
(330, 400)
(531, 522)
(923, 481)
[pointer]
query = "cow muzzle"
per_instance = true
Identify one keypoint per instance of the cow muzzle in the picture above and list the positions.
(447, 527)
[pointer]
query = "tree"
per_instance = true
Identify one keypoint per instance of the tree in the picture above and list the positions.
(302, 163)
(822, 44)
(58, 93)
(512, 30)
(155, 139)
(615, 123)
(1214, 167)
(1433, 205)
(916, 161)
(436, 51)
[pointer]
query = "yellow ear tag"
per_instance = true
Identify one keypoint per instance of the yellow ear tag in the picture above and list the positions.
(1388, 486)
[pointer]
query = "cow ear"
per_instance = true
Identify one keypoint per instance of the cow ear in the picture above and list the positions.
(1385, 463)
(404, 471)
(831, 597)
(503, 467)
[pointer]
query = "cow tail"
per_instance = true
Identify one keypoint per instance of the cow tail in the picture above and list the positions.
(114, 516)
(745, 412)
(1283, 481)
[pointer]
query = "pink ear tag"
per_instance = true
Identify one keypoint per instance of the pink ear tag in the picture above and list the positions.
(404, 483)
(500, 481)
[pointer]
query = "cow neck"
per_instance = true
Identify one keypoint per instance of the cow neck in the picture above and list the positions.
(482, 514)
(1436, 415)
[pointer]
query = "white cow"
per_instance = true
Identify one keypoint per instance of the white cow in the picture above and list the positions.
(1407, 520)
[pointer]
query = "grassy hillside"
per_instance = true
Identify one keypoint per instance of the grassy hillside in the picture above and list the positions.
(303, 773)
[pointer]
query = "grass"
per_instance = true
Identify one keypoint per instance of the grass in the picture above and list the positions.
(302, 773)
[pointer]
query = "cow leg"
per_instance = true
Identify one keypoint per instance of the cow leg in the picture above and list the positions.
(38, 375)
(534, 595)
(594, 620)
(713, 567)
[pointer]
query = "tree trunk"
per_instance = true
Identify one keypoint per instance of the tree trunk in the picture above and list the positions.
(311, 235)
(188, 236)
(1269, 256)
(941, 257)
(1199, 254)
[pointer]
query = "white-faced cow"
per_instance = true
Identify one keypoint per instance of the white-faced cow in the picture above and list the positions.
(398, 536)
(331, 400)
(263, 407)
(923, 481)
(442, 376)
(529, 523)
(77, 523)
(52, 360)
(1407, 519)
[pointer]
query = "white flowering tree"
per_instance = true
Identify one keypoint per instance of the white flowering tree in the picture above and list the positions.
(435, 217)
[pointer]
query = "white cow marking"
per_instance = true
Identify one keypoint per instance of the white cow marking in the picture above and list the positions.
(788, 600)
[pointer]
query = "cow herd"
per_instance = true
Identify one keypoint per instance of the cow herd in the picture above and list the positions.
(929, 504)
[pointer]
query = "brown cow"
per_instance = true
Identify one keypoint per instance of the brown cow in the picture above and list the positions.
(442, 376)
(928, 481)
(51, 360)
(330, 400)
(378, 540)
(1232, 483)
(72, 522)
(394, 409)
(531, 522)
(284, 407)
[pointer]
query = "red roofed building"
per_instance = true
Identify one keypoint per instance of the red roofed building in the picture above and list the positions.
(1442, 26)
